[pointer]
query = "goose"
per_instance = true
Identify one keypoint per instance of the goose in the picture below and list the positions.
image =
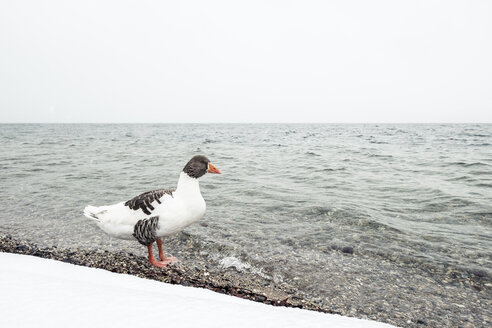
(158, 213)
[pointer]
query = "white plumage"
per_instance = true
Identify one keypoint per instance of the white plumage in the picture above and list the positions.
(177, 211)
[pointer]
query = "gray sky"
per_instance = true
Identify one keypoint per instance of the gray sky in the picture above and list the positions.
(248, 61)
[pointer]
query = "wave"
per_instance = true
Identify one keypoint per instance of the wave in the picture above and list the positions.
(329, 169)
(465, 164)
(242, 266)
(208, 141)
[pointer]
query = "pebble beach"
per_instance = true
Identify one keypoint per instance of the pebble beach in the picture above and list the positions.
(414, 299)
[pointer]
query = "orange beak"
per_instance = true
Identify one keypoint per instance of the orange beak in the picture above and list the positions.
(213, 169)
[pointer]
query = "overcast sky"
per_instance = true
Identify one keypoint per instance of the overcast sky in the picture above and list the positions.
(246, 61)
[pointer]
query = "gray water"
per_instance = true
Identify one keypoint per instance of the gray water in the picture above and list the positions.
(289, 199)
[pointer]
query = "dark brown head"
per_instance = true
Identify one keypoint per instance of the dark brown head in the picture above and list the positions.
(198, 166)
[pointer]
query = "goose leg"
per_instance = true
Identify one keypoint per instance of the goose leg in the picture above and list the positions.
(163, 262)
(152, 259)
(170, 259)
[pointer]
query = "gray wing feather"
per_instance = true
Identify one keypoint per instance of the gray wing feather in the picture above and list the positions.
(145, 230)
(144, 201)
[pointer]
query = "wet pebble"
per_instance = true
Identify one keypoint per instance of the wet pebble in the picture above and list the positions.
(348, 250)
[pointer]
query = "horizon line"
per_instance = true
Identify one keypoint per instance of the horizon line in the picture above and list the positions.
(135, 123)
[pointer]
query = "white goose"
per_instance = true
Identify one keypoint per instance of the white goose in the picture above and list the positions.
(157, 213)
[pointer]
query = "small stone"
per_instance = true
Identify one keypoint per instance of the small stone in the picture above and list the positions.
(479, 273)
(21, 248)
(260, 298)
(348, 250)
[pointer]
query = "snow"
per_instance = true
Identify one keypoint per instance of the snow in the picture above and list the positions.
(37, 292)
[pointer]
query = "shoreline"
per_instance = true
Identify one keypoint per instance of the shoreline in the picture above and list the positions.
(41, 288)
(178, 273)
(409, 299)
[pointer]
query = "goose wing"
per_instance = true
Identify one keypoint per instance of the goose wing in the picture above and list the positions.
(144, 201)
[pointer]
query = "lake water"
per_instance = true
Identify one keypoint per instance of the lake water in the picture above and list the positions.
(290, 199)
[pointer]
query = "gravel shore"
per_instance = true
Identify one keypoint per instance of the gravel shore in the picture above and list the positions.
(178, 273)
(413, 299)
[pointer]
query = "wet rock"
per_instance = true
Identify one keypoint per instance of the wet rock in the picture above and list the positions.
(348, 250)
(260, 298)
(21, 248)
(478, 273)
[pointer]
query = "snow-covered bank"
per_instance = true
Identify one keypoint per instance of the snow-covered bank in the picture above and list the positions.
(37, 292)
